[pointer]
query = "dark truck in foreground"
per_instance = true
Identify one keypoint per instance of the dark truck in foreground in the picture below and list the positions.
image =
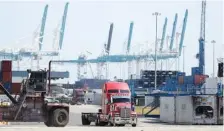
(35, 103)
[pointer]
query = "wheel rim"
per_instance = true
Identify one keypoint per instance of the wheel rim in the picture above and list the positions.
(61, 117)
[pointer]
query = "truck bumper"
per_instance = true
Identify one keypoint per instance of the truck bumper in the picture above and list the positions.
(119, 120)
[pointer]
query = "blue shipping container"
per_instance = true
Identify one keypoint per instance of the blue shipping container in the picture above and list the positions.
(7, 86)
(194, 70)
(188, 79)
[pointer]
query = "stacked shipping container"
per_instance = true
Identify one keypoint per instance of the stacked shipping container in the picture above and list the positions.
(6, 78)
(148, 77)
(6, 74)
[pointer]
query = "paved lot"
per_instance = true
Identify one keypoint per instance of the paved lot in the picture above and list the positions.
(75, 124)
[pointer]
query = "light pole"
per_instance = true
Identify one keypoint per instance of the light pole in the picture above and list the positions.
(183, 57)
(156, 14)
(213, 43)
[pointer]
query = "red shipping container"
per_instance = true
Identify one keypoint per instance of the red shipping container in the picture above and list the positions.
(6, 77)
(6, 66)
(198, 79)
(181, 79)
(15, 88)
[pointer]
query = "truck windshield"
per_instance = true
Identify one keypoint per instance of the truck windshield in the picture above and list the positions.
(120, 100)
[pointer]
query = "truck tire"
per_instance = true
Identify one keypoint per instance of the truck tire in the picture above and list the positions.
(48, 122)
(100, 123)
(60, 118)
(97, 123)
(133, 125)
(85, 121)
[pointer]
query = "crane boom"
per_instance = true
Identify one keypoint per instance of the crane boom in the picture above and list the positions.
(44, 18)
(130, 37)
(183, 32)
(62, 30)
(202, 39)
(173, 31)
(110, 38)
(202, 30)
(164, 33)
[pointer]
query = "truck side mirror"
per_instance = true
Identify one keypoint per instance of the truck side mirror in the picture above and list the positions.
(111, 100)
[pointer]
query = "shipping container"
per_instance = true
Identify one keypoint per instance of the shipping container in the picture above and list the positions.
(210, 86)
(181, 79)
(7, 86)
(57, 74)
(15, 89)
(199, 79)
(6, 66)
(181, 73)
(17, 79)
(6, 77)
(189, 79)
(205, 109)
(220, 110)
(195, 70)
(184, 110)
(167, 109)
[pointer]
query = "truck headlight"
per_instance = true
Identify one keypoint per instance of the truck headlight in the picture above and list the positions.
(133, 115)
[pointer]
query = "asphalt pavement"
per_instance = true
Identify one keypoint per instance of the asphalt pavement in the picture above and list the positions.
(144, 124)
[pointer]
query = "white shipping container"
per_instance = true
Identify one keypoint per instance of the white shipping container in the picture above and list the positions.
(211, 86)
(220, 110)
(205, 109)
(167, 113)
(17, 79)
(184, 110)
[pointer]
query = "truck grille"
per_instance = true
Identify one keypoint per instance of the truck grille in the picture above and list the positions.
(125, 112)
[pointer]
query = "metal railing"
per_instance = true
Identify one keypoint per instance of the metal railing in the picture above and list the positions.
(195, 90)
(153, 105)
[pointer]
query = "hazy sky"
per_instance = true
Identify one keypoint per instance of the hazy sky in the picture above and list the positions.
(88, 24)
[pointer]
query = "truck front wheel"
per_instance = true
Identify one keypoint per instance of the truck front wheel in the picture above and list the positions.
(85, 121)
(60, 118)
(48, 121)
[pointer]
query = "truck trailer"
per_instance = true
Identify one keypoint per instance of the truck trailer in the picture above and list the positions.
(115, 107)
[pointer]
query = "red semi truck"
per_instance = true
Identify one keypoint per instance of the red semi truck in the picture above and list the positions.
(115, 107)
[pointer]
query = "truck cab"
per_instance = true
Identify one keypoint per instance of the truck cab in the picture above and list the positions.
(116, 104)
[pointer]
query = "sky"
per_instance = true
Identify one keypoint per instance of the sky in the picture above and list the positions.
(88, 24)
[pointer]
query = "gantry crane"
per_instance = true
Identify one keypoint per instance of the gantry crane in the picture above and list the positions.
(201, 54)
(61, 32)
(107, 57)
(129, 45)
(36, 55)
(164, 33)
(173, 32)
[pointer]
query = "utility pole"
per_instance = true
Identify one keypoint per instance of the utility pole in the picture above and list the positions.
(156, 14)
(213, 44)
(183, 57)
